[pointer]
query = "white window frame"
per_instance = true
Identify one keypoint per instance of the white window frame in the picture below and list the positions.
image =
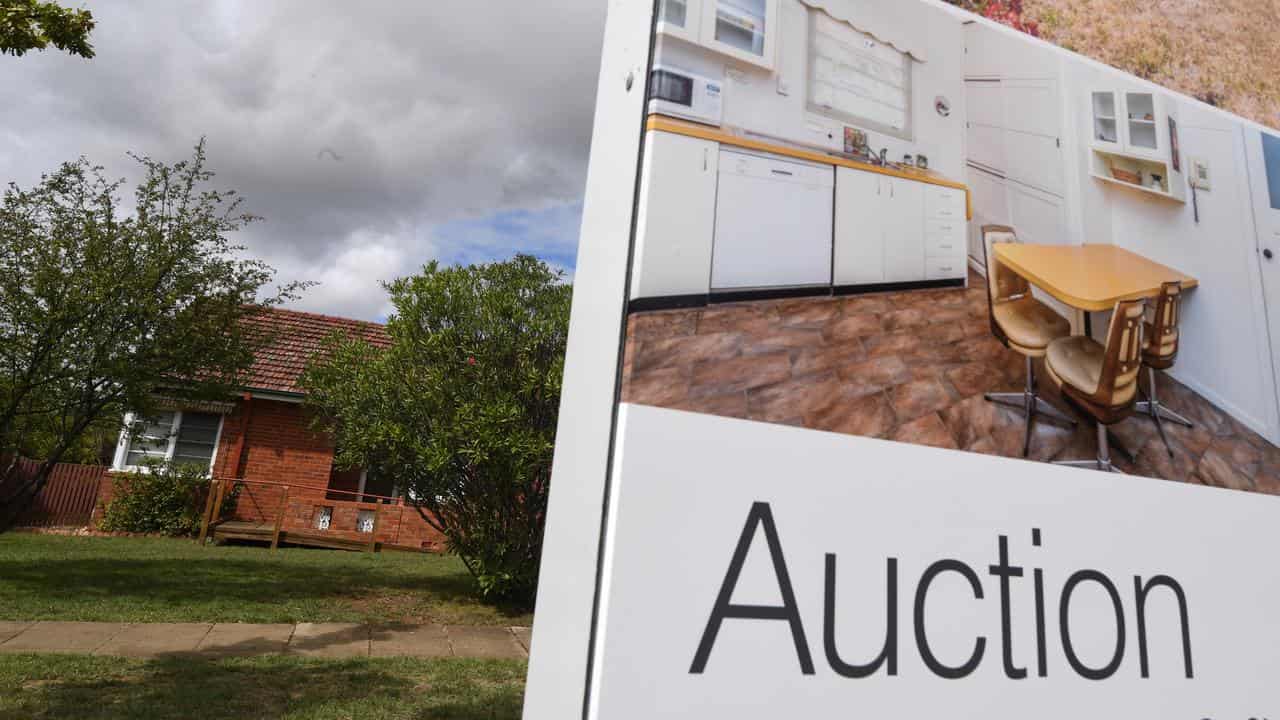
(907, 132)
(122, 445)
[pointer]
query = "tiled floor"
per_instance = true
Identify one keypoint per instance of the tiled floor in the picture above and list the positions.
(907, 366)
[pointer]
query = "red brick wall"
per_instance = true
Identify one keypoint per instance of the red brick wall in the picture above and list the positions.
(274, 443)
(399, 525)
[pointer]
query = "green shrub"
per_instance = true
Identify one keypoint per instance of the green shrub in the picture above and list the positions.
(165, 499)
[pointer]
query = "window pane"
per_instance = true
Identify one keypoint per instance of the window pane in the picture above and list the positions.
(198, 427)
(197, 438)
(1271, 153)
(152, 442)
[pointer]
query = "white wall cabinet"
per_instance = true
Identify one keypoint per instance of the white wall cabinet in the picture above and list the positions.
(677, 215)
(746, 30)
(890, 230)
(1130, 123)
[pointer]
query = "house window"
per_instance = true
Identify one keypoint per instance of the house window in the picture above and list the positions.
(857, 79)
(364, 521)
(180, 437)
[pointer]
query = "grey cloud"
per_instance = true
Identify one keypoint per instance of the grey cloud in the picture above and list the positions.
(353, 128)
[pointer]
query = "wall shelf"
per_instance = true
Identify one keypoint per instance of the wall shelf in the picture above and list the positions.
(1103, 160)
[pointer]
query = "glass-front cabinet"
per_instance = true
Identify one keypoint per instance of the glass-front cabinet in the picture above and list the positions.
(1134, 136)
(745, 30)
(680, 18)
(1140, 120)
(1106, 123)
(1132, 123)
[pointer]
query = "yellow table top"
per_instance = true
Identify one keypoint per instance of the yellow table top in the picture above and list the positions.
(664, 123)
(1089, 277)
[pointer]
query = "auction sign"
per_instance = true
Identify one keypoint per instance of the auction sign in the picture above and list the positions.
(788, 495)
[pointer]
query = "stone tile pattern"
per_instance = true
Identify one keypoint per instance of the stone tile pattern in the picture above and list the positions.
(325, 640)
(909, 366)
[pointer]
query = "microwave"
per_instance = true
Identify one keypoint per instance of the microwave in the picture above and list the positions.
(685, 95)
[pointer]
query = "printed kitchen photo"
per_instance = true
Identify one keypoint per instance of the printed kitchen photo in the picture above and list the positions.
(893, 221)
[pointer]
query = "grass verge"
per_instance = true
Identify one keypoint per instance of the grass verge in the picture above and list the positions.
(105, 688)
(50, 577)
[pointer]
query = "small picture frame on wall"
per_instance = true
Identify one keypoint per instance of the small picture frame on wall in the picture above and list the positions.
(1175, 151)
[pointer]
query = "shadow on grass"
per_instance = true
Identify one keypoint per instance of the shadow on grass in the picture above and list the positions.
(94, 688)
(230, 589)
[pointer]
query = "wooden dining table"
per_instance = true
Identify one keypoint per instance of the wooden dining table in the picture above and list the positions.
(1088, 278)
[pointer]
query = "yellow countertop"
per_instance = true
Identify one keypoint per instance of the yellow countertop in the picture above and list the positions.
(664, 123)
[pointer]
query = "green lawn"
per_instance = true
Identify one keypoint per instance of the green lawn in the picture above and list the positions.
(50, 577)
(103, 688)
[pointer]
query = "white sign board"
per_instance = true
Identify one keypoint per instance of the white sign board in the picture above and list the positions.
(696, 566)
(756, 571)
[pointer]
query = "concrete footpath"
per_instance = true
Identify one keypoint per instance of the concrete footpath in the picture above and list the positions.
(213, 640)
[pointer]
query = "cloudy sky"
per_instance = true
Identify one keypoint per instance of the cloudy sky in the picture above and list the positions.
(372, 136)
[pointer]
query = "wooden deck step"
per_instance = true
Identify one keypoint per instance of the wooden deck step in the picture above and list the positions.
(262, 532)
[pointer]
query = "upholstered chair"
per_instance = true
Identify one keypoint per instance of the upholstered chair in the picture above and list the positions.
(1101, 380)
(1159, 351)
(1024, 325)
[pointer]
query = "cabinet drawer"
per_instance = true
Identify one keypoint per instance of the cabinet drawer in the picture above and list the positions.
(944, 246)
(944, 203)
(944, 268)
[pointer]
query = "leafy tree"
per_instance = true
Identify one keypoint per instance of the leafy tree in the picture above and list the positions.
(34, 25)
(461, 408)
(103, 312)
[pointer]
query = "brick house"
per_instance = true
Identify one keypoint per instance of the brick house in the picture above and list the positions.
(264, 437)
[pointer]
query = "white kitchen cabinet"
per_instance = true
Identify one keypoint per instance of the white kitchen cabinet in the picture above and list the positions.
(680, 18)
(945, 212)
(904, 231)
(745, 30)
(891, 230)
(859, 229)
(1130, 123)
(677, 211)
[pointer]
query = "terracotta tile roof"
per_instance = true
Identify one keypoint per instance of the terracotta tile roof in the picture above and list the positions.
(297, 337)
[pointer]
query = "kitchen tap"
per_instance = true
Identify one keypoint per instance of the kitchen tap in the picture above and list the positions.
(884, 156)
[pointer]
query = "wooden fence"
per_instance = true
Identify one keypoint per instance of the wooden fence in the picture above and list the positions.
(66, 500)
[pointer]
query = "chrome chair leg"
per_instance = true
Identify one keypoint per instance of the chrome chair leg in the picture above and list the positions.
(1031, 405)
(1152, 408)
(1102, 462)
(1153, 405)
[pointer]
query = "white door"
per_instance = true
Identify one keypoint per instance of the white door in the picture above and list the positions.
(990, 207)
(676, 219)
(984, 100)
(1039, 217)
(859, 231)
(904, 232)
(1032, 122)
(1263, 152)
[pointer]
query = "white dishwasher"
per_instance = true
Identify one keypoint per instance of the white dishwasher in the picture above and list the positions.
(773, 223)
